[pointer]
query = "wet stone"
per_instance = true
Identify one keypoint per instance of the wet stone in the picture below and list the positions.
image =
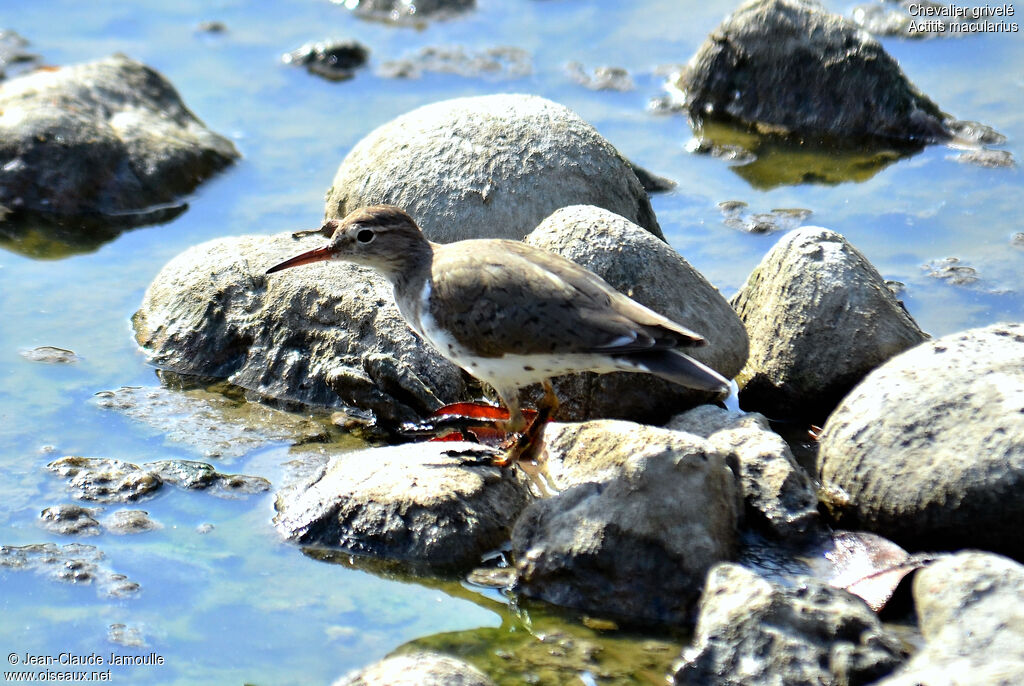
(500, 62)
(74, 563)
(50, 355)
(601, 78)
(200, 476)
(1017, 240)
(104, 479)
(130, 522)
(990, 159)
(952, 271)
(335, 60)
(70, 520)
(737, 215)
(407, 11)
(421, 668)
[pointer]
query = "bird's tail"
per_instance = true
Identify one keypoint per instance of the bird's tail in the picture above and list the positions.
(676, 367)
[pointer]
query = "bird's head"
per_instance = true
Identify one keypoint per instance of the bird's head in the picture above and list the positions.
(380, 236)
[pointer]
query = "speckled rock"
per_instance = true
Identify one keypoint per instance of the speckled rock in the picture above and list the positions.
(327, 335)
(752, 632)
(777, 491)
(110, 137)
(417, 669)
(929, 449)
(820, 317)
(430, 504)
(642, 515)
(654, 274)
(790, 67)
(970, 608)
(515, 160)
(70, 520)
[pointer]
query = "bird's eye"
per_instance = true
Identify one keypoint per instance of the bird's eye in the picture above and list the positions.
(365, 236)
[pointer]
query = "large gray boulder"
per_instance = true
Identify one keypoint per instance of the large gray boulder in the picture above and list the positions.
(790, 67)
(327, 335)
(110, 137)
(820, 317)
(970, 609)
(433, 505)
(929, 449)
(641, 516)
(490, 166)
(752, 632)
(778, 493)
(654, 274)
(417, 669)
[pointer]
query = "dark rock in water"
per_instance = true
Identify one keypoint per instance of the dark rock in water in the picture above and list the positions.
(50, 355)
(777, 491)
(74, 563)
(756, 633)
(335, 60)
(14, 58)
(540, 156)
(130, 522)
(602, 78)
(928, 450)
(651, 272)
(113, 481)
(70, 520)
(212, 26)
(329, 339)
(790, 68)
(104, 138)
(436, 505)
(642, 515)
(422, 669)
(492, 63)
(820, 317)
(408, 11)
(970, 608)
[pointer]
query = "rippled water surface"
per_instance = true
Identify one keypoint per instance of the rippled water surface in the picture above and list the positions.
(235, 604)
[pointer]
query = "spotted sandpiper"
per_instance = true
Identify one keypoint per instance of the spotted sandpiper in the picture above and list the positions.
(510, 314)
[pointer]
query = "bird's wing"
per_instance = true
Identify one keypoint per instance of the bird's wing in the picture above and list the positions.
(509, 297)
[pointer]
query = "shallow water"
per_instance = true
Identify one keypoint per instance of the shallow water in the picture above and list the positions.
(235, 604)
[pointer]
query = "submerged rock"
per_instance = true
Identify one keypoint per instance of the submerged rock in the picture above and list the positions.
(777, 491)
(130, 522)
(929, 449)
(70, 520)
(540, 156)
(753, 632)
(654, 274)
(970, 608)
(73, 563)
(116, 481)
(419, 669)
(601, 78)
(643, 514)
(328, 335)
(110, 137)
(50, 355)
(335, 60)
(436, 505)
(402, 11)
(789, 67)
(14, 56)
(820, 317)
(500, 62)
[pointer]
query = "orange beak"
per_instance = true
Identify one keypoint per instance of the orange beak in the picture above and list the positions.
(315, 255)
